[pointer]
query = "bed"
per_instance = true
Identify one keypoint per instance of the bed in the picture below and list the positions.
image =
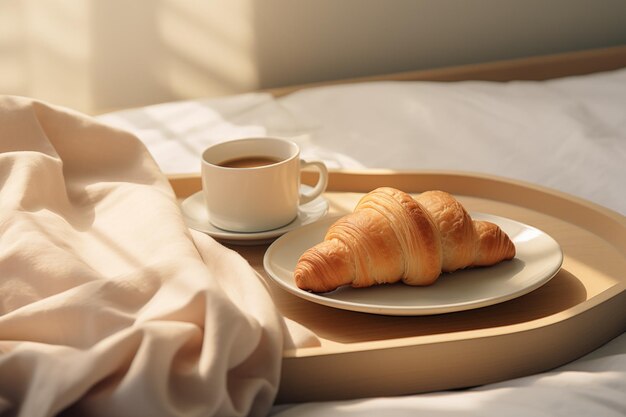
(557, 123)
(566, 133)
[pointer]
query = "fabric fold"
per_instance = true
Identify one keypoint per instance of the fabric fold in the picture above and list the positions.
(109, 305)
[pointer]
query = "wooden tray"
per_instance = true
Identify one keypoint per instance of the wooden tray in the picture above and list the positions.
(361, 355)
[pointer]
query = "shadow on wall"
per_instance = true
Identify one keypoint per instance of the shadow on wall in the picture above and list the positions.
(308, 41)
(41, 51)
(168, 49)
(97, 56)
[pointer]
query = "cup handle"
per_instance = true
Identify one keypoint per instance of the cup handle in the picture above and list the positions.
(322, 182)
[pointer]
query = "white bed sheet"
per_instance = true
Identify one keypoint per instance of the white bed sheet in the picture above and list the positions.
(567, 134)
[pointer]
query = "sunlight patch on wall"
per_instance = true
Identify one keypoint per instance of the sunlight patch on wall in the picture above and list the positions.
(53, 51)
(209, 47)
(12, 75)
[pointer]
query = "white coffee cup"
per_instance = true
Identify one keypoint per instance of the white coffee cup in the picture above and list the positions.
(253, 184)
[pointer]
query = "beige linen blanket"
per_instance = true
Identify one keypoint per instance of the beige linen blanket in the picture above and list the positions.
(109, 305)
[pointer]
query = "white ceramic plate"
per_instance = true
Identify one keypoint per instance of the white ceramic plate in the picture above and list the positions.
(196, 217)
(538, 258)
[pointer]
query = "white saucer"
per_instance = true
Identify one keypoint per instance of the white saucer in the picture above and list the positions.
(196, 217)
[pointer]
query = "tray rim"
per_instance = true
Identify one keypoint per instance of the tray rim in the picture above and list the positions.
(470, 373)
(527, 326)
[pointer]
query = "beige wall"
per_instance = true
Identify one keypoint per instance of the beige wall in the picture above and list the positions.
(100, 55)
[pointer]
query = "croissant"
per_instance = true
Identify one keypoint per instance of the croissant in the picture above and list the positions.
(391, 236)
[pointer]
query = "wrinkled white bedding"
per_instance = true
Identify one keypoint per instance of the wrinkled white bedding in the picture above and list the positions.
(567, 134)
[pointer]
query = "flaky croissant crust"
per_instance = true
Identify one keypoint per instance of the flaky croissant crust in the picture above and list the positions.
(391, 237)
